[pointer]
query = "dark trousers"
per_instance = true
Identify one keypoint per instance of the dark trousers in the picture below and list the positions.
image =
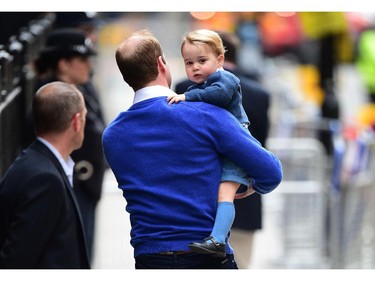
(184, 261)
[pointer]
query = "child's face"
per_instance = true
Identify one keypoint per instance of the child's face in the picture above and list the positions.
(200, 62)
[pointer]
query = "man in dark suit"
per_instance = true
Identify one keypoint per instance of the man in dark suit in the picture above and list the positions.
(40, 222)
(256, 102)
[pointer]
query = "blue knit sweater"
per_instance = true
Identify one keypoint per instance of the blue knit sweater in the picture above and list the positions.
(166, 160)
(223, 89)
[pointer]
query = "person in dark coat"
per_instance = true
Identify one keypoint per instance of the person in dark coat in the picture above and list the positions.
(66, 57)
(256, 102)
(40, 221)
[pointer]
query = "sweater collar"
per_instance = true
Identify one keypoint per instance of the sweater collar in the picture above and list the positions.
(151, 92)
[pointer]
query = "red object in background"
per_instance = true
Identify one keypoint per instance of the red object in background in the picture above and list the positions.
(357, 22)
(279, 32)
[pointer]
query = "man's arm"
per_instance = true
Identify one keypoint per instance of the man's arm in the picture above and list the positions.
(262, 166)
(218, 90)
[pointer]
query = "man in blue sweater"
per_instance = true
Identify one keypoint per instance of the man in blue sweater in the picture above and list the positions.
(167, 161)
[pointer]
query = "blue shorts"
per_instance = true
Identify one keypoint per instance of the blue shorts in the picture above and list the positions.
(232, 172)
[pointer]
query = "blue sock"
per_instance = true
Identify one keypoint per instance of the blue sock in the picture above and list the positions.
(223, 221)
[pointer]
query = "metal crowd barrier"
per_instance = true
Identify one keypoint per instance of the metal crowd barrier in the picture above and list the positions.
(327, 217)
(352, 201)
(303, 202)
(16, 84)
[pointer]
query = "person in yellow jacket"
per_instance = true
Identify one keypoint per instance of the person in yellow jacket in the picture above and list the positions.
(328, 29)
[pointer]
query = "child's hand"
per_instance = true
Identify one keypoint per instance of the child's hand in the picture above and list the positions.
(175, 98)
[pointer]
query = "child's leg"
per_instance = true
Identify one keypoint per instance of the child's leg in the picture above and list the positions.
(225, 211)
(215, 243)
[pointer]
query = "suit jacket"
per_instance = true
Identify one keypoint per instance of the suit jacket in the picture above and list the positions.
(89, 159)
(256, 102)
(40, 223)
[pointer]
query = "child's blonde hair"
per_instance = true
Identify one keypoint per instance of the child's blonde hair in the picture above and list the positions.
(205, 36)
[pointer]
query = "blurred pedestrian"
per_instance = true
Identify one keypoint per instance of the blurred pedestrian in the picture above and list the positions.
(67, 57)
(331, 31)
(203, 54)
(167, 162)
(40, 221)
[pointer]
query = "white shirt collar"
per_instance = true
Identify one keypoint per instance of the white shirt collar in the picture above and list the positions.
(151, 92)
(67, 165)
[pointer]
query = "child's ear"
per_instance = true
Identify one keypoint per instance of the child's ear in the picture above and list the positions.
(220, 59)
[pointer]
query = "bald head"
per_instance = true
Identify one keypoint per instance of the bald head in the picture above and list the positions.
(137, 59)
(54, 105)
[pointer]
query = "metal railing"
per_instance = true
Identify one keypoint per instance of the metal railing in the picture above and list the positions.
(326, 214)
(16, 84)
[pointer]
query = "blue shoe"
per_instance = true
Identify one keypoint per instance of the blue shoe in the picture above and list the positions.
(209, 246)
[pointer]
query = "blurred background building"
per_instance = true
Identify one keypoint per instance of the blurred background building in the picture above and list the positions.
(322, 124)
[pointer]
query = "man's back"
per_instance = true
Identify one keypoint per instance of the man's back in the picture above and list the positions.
(170, 168)
(162, 160)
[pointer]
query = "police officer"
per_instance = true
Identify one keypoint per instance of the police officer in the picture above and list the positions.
(66, 57)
